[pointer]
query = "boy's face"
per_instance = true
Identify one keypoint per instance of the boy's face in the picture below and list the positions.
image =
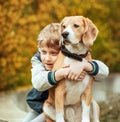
(48, 57)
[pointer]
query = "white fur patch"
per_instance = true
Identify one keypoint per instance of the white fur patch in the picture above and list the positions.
(60, 117)
(95, 111)
(74, 89)
(71, 35)
(50, 111)
(85, 112)
(70, 114)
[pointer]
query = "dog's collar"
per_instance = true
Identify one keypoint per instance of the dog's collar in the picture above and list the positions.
(73, 55)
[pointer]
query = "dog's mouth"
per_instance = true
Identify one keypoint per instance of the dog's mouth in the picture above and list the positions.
(66, 42)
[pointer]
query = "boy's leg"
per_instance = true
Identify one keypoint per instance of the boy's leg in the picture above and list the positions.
(39, 118)
(30, 116)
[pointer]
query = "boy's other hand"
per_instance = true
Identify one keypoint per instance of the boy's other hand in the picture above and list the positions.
(76, 71)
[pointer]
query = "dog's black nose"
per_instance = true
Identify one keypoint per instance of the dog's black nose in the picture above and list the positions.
(65, 34)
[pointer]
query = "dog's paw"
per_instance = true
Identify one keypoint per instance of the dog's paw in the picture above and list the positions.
(60, 120)
(60, 117)
(97, 121)
(85, 120)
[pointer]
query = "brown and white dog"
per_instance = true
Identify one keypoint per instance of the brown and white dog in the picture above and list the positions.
(72, 101)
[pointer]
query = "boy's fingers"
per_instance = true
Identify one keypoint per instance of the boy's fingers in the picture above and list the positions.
(66, 73)
(75, 77)
(70, 75)
(65, 66)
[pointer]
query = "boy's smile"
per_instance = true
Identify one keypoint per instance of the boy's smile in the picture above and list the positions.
(48, 57)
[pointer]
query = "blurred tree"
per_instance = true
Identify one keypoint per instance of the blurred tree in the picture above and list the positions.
(15, 38)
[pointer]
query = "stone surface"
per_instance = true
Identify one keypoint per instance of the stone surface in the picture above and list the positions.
(110, 110)
(3, 121)
(9, 111)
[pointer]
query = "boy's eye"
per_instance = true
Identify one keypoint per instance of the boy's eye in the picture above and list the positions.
(43, 52)
(54, 53)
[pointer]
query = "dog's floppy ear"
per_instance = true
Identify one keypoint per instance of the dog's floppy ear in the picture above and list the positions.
(90, 33)
(61, 24)
(60, 30)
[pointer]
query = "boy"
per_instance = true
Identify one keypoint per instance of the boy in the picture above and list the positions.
(42, 64)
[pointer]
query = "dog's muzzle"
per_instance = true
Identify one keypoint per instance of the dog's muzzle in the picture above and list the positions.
(65, 37)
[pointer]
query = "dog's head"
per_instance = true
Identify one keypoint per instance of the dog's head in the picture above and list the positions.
(78, 29)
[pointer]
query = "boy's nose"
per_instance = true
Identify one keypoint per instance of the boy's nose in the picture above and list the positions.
(48, 57)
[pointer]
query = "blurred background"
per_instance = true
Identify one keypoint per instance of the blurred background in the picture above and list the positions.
(22, 20)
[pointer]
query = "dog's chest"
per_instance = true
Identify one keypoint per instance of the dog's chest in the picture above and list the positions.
(74, 89)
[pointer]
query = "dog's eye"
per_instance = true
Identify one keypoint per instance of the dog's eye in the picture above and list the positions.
(76, 26)
(64, 27)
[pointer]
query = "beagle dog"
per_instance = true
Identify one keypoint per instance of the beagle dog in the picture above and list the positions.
(72, 101)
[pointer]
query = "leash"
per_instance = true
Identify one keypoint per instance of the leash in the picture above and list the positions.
(73, 55)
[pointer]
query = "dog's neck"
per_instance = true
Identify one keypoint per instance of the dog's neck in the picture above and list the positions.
(74, 52)
(78, 49)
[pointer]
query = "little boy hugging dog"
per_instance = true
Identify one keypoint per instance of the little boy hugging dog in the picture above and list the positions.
(42, 76)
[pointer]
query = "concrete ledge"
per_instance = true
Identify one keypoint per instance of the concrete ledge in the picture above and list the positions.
(9, 111)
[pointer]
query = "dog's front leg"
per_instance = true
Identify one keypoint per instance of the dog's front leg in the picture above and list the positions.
(96, 111)
(85, 112)
(49, 106)
(86, 102)
(59, 101)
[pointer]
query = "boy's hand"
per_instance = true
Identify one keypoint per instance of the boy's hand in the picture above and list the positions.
(76, 71)
(82, 76)
(62, 73)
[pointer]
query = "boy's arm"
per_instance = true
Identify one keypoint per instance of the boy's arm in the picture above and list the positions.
(43, 80)
(95, 68)
(39, 75)
(103, 71)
